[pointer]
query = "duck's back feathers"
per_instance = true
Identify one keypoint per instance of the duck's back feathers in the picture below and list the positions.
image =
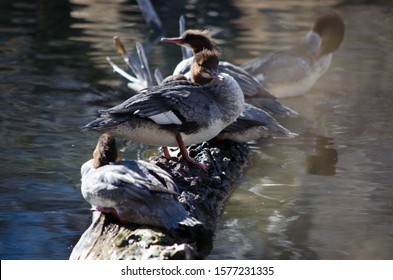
(140, 192)
(171, 105)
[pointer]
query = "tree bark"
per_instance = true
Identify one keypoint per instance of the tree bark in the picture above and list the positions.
(203, 195)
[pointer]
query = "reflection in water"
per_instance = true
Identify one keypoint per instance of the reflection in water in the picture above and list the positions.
(54, 78)
(323, 162)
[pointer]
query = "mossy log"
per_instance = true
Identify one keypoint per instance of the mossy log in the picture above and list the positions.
(203, 195)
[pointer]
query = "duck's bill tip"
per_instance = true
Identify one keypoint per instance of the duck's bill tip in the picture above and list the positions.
(176, 40)
(219, 77)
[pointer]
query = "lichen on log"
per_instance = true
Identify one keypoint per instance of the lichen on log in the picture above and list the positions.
(203, 195)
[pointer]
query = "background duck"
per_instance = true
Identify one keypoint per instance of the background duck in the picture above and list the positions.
(135, 192)
(293, 71)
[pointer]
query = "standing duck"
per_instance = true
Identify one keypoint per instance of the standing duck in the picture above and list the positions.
(258, 95)
(178, 112)
(293, 71)
(135, 192)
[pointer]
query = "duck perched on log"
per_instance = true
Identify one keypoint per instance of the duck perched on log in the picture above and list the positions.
(178, 112)
(135, 192)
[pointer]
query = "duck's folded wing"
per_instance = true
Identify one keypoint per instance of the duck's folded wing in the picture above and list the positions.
(250, 117)
(242, 124)
(117, 182)
(173, 104)
(249, 85)
(256, 65)
(288, 65)
(149, 176)
(161, 175)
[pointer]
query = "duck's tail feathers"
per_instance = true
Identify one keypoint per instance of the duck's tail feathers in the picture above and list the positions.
(273, 106)
(282, 131)
(103, 123)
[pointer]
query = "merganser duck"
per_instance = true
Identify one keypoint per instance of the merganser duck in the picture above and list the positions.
(293, 71)
(178, 112)
(253, 124)
(135, 192)
(199, 40)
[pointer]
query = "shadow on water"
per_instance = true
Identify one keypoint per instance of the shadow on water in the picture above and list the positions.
(323, 161)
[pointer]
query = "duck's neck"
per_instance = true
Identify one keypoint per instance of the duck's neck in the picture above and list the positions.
(102, 157)
(230, 96)
(313, 43)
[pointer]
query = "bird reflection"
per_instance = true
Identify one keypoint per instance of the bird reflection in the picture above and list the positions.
(324, 161)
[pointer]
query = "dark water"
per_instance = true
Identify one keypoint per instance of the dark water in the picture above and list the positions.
(326, 194)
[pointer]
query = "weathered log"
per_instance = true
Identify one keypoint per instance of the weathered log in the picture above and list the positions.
(203, 195)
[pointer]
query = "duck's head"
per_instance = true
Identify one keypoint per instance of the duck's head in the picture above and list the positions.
(330, 27)
(105, 151)
(197, 40)
(204, 67)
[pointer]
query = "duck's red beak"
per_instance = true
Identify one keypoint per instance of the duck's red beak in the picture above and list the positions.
(174, 40)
